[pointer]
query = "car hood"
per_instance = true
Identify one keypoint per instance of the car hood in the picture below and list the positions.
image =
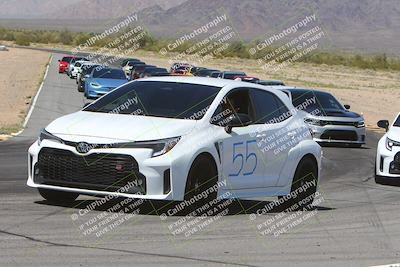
(95, 127)
(109, 82)
(394, 133)
(338, 113)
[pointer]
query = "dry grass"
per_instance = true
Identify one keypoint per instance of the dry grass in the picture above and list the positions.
(21, 73)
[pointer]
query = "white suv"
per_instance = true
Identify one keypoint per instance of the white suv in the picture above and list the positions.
(388, 154)
(174, 138)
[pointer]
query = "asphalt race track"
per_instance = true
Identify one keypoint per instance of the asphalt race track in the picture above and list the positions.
(356, 224)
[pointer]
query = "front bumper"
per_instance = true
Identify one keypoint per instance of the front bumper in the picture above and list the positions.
(155, 173)
(387, 170)
(338, 134)
(385, 180)
(96, 93)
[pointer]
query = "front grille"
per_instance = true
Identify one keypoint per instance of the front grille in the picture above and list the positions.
(339, 135)
(97, 171)
(343, 123)
(397, 158)
(394, 167)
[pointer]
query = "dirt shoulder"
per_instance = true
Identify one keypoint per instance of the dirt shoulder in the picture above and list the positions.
(21, 72)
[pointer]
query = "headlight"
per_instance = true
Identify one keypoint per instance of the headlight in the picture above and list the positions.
(315, 122)
(159, 147)
(95, 85)
(48, 136)
(390, 144)
(360, 124)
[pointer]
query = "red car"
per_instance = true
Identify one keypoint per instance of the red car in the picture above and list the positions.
(64, 63)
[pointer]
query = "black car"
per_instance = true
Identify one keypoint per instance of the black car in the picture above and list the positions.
(195, 70)
(271, 82)
(149, 71)
(205, 72)
(123, 63)
(138, 70)
(230, 75)
(214, 74)
(86, 70)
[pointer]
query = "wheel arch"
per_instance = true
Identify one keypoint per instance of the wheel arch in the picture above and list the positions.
(202, 155)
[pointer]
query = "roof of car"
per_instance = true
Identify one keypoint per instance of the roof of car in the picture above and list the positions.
(201, 80)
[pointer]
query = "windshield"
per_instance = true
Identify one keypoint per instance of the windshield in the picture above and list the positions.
(159, 99)
(397, 122)
(109, 74)
(88, 68)
(315, 102)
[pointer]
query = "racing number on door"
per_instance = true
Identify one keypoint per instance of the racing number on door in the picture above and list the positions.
(248, 163)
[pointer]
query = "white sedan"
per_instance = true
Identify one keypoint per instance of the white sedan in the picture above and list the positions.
(179, 138)
(388, 154)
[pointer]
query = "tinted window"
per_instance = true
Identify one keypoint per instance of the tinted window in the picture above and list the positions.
(88, 68)
(109, 74)
(231, 75)
(159, 99)
(314, 101)
(66, 59)
(397, 122)
(268, 107)
(236, 101)
(205, 72)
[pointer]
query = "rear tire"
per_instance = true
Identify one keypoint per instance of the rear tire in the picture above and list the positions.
(202, 176)
(58, 197)
(306, 177)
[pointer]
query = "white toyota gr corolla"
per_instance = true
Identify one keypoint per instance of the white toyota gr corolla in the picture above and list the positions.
(175, 138)
(388, 154)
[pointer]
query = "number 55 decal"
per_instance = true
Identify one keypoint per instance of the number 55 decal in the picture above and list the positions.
(239, 157)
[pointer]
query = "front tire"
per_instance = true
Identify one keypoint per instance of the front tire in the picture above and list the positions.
(58, 197)
(304, 185)
(203, 177)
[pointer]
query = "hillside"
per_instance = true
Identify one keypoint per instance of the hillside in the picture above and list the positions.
(361, 25)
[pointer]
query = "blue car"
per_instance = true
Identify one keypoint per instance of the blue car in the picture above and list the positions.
(103, 80)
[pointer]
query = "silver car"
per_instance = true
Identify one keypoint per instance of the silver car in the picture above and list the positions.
(329, 120)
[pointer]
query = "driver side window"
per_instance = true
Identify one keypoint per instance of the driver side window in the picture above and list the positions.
(235, 102)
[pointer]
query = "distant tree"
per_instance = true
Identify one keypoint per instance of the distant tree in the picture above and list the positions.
(66, 37)
(22, 38)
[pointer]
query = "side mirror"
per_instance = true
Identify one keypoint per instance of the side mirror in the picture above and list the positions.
(347, 106)
(383, 124)
(237, 120)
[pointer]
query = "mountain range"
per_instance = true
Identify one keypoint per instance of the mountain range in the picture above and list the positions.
(362, 25)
